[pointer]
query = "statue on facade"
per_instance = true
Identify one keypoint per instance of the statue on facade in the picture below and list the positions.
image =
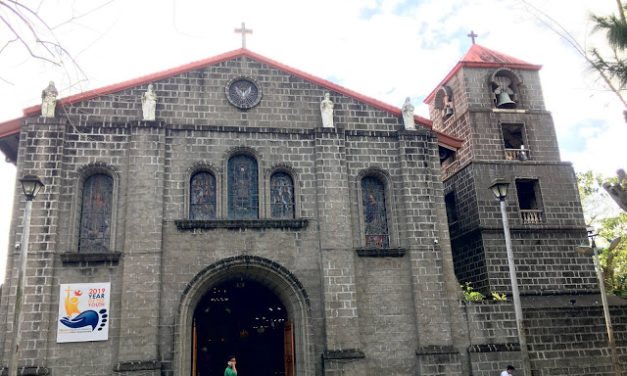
(618, 191)
(408, 114)
(149, 103)
(49, 100)
(326, 111)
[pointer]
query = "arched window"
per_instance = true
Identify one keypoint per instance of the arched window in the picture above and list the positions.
(95, 224)
(202, 196)
(243, 191)
(505, 84)
(375, 218)
(281, 195)
(444, 101)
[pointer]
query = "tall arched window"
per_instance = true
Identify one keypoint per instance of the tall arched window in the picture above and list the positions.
(375, 218)
(95, 224)
(281, 195)
(202, 196)
(243, 191)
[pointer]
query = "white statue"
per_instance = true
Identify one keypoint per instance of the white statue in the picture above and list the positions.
(326, 110)
(49, 100)
(149, 103)
(408, 115)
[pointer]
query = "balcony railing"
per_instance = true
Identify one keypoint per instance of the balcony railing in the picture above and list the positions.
(531, 217)
(517, 154)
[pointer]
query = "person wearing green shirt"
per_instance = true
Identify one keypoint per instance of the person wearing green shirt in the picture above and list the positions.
(230, 369)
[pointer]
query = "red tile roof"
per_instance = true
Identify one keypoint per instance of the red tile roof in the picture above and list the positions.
(9, 126)
(481, 57)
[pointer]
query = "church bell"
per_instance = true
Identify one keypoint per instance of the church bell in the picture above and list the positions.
(448, 111)
(504, 101)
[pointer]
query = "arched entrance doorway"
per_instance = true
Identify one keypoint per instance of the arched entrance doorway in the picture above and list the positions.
(245, 319)
(251, 269)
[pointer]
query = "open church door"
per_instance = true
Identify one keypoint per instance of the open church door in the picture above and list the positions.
(244, 319)
(288, 348)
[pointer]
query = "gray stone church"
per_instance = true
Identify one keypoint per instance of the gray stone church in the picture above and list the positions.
(233, 223)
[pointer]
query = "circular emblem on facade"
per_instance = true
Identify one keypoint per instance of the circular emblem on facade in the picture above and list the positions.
(243, 92)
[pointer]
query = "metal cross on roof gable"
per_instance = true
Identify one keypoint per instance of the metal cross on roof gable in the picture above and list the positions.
(244, 31)
(472, 36)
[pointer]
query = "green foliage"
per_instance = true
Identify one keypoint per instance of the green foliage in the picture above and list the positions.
(614, 263)
(613, 67)
(593, 198)
(588, 183)
(615, 28)
(470, 294)
(499, 297)
(616, 32)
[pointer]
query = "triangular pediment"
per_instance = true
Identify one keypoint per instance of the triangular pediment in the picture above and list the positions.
(232, 55)
(9, 128)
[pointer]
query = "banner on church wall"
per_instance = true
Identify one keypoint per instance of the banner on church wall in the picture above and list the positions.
(83, 312)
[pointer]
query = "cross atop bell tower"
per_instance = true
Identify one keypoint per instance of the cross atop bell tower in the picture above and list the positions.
(243, 30)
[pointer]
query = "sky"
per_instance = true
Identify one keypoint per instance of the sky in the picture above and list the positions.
(385, 49)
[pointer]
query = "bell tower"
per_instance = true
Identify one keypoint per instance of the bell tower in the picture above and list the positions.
(494, 102)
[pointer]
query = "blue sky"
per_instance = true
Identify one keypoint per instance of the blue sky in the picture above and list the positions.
(386, 49)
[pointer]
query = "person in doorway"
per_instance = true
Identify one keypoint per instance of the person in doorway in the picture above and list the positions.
(230, 369)
(509, 371)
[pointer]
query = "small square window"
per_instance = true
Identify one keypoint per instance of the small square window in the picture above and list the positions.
(514, 142)
(529, 201)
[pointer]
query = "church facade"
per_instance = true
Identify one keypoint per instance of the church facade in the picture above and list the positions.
(223, 208)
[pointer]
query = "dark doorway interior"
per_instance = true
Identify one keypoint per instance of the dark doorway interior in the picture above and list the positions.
(244, 319)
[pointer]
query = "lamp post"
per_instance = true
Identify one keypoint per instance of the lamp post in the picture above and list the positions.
(590, 251)
(499, 188)
(31, 185)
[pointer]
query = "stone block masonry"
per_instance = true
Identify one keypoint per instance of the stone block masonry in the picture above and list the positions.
(354, 309)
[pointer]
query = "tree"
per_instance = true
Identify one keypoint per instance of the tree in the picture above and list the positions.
(614, 262)
(617, 188)
(27, 29)
(612, 69)
(616, 30)
(595, 203)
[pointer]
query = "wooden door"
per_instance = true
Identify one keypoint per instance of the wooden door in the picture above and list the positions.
(288, 346)
(194, 354)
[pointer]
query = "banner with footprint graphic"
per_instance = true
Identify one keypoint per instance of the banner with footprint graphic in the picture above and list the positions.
(83, 312)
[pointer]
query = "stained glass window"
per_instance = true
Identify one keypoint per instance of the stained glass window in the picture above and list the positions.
(95, 225)
(281, 195)
(375, 219)
(243, 190)
(202, 196)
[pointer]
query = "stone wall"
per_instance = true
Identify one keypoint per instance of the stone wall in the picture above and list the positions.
(566, 335)
(160, 263)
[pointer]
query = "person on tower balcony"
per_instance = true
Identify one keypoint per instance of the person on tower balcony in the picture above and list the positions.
(509, 371)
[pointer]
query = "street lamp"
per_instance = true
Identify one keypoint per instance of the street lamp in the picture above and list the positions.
(31, 185)
(499, 189)
(589, 251)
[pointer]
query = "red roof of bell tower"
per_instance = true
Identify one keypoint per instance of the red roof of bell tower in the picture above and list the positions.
(482, 57)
